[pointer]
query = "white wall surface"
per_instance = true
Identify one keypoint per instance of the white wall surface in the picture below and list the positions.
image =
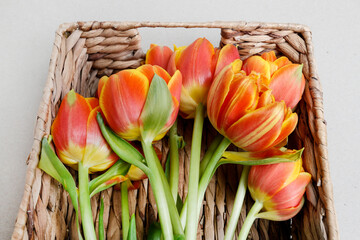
(26, 37)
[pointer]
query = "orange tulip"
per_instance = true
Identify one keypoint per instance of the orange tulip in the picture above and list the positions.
(123, 96)
(280, 188)
(241, 108)
(284, 78)
(158, 55)
(77, 136)
(199, 63)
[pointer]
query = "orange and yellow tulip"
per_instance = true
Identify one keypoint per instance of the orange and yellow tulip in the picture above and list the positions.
(243, 109)
(199, 63)
(123, 96)
(158, 55)
(77, 136)
(280, 188)
(284, 78)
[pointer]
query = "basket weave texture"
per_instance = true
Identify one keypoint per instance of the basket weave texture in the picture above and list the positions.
(85, 51)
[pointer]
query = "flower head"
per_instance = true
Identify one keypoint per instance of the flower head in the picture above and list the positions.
(77, 136)
(199, 63)
(280, 187)
(123, 99)
(284, 78)
(243, 109)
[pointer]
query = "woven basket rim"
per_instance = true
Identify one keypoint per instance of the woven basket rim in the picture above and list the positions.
(21, 220)
(236, 25)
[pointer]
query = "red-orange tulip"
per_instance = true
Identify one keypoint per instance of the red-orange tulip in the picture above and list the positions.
(77, 136)
(123, 96)
(241, 108)
(199, 63)
(158, 55)
(280, 188)
(284, 78)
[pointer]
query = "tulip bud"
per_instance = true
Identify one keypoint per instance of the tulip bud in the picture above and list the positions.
(77, 136)
(133, 108)
(199, 63)
(158, 55)
(241, 108)
(280, 188)
(284, 78)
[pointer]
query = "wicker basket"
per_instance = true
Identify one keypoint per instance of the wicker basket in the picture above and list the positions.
(84, 51)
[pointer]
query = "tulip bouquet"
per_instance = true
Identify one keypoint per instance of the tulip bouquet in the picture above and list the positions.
(250, 104)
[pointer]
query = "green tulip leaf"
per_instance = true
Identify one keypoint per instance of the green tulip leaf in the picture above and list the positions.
(52, 165)
(270, 156)
(157, 109)
(115, 174)
(132, 229)
(122, 148)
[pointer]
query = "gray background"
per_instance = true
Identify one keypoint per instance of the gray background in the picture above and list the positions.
(27, 34)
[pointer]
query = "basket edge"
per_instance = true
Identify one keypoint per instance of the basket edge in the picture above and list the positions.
(238, 25)
(320, 127)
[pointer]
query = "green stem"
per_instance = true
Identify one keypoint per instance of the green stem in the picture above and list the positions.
(174, 214)
(213, 146)
(250, 218)
(101, 220)
(238, 202)
(158, 190)
(85, 205)
(206, 177)
(125, 209)
(174, 162)
(191, 216)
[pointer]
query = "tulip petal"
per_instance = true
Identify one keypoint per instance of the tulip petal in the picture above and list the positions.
(69, 128)
(149, 71)
(158, 55)
(257, 64)
(266, 180)
(174, 58)
(98, 155)
(135, 174)
(219, 90)
(257, 130)
(288, 84)
(188, 104)
(269, 56)
(101, 83)
(227, 55)
(134, 185)
(290, 195)
(282, 61)
(287, 127)
(196, 63)
(283, 214)
(239, 100)
(266, 98)
(122, 100)
(175, 84)
(93, 102)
